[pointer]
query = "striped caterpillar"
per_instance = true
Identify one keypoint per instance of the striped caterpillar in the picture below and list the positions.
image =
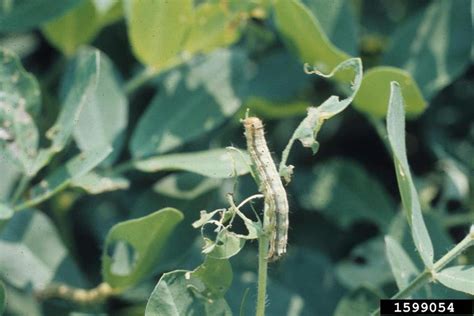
(270, 185)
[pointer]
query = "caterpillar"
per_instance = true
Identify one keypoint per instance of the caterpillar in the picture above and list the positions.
(270, 185)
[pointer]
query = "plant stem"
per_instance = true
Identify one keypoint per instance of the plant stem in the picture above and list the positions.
(78, 296)
(139, 80)
(428, 276)
(20, 188)
(263, 242)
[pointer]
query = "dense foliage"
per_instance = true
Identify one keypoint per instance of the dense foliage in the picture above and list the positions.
(123, 161)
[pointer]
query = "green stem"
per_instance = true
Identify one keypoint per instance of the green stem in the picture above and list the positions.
(428, 276)
(263, 243)
(139, 80)
(20, 188)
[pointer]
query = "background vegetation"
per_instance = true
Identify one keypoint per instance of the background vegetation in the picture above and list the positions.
(111, 111)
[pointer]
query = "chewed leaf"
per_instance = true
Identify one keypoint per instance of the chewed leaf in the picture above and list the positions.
(133, 247)
(308, 129)
(95, 183)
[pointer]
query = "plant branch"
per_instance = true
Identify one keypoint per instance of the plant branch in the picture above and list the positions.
(428, 276)
(20, 188)
(137, 81)
(263, 243)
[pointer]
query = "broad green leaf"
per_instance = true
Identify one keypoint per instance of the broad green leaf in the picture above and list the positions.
(22, 302)
(3, 298)
(338, 22)
(104, 116)
(187, 186)
(434, 45)
(343, 191)
(226, 245)
(410, 201)
(23, 15)
(199, 292)
(133, 248)
(77, 27)
(157, 30)
(307, 131)
(60, 178)
(20, 100)
(403, 269)
(10, 174)
(214, 163)
(191, 102)
(309, 274)
(374, 92)
(366, 265)
(80, 25)
(459, 278)
(304, 34)
(32, 254)
(213, 26)
(94, 183)
(360, 302)
(79, 84)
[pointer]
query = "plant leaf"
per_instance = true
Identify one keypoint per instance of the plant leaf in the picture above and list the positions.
(307, 131)
(95, 183)
(374, 92)
(305, 36)
(133, 247)
(359, 302)
(458, 278)
(410, 201)
(20, 100)
(59, 179)
(6, 212)
(104, 116)
(342, 190)
(192, 101)
(436, 44)
(23, 15)
(200, 291)
(185, 186)
(80, 25)
(32, 254)
(403, 269)
(214, 163)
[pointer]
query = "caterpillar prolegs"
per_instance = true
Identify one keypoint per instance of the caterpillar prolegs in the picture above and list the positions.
(271, 186)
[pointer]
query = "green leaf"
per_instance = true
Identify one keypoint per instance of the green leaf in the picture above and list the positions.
(157, 29)
(3, 298)
(20, 100)
(80, 25)
(23, 15)
(458, 278)
(186, 186)
(104, 116)
(410, 201)
(374, 92)
(403, 269)
(59, 179)
(338, 22)
(32, 254)
(191, 102)
(10, 174)
(307, 131)
(343, 191)
(77, 27)
(366, 265)
(213, 163)
(79, 84)
(133, 248)
(434, 45)
(212, 26)
(200, 291)
(360, 302)
(304, 34)
(95, 183)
